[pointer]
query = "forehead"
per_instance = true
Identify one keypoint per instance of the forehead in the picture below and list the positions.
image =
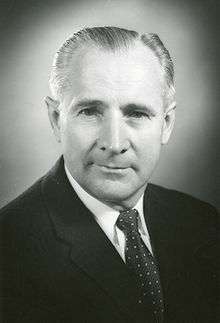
(134, 74)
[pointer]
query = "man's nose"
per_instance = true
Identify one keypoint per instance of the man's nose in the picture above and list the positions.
(113, 135)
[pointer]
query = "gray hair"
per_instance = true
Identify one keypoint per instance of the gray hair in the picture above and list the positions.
(113, 39)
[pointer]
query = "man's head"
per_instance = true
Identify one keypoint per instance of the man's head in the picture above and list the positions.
(113, 109)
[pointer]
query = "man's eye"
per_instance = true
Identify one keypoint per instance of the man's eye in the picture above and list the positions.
(138, 114)
(89, 112)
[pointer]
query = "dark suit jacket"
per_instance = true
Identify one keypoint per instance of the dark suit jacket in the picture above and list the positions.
(58, 266)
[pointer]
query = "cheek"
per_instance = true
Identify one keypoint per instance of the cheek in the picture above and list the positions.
(77, 140)
(149, 145)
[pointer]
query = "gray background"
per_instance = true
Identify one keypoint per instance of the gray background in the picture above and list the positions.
(31, 32)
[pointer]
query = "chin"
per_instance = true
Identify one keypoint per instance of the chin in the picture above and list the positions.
(116, 194)
(113, 197)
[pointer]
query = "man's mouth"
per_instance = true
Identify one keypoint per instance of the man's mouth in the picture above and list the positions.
(113, 167)
(112, 170)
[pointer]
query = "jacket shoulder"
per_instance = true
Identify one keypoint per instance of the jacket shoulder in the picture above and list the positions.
(188, 217)
(180, 201)
(27, 201)
(23, 217)
(186, 213)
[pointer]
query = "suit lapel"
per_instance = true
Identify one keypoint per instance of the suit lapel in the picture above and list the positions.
(157, 218)
(178, 249)
(157, 221)
(90, 249)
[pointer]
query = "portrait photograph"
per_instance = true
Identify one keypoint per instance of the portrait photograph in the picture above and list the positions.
(109, 161)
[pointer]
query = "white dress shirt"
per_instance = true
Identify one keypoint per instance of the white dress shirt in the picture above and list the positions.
(106, 217)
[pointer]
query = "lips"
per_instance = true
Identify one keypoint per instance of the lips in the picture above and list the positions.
(113, 166)
(113, 171)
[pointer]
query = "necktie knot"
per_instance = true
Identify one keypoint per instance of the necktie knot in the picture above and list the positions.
(128, 221)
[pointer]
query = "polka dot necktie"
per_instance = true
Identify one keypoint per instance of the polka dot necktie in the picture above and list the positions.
(141, 263)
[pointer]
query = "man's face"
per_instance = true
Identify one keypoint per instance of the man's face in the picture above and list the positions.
(112, 122)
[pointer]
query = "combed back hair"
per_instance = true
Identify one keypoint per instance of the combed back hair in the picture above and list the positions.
(110, 39)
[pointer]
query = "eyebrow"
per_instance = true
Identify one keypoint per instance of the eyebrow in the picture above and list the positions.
(126, 107)
(88, 103)
(141, 107)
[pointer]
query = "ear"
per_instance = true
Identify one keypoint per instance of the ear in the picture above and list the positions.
(168, 123)
(54, 115)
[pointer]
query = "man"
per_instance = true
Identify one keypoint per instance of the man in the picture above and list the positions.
(93, 240)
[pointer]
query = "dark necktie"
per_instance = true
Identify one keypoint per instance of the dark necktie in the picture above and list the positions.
(141, 263)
